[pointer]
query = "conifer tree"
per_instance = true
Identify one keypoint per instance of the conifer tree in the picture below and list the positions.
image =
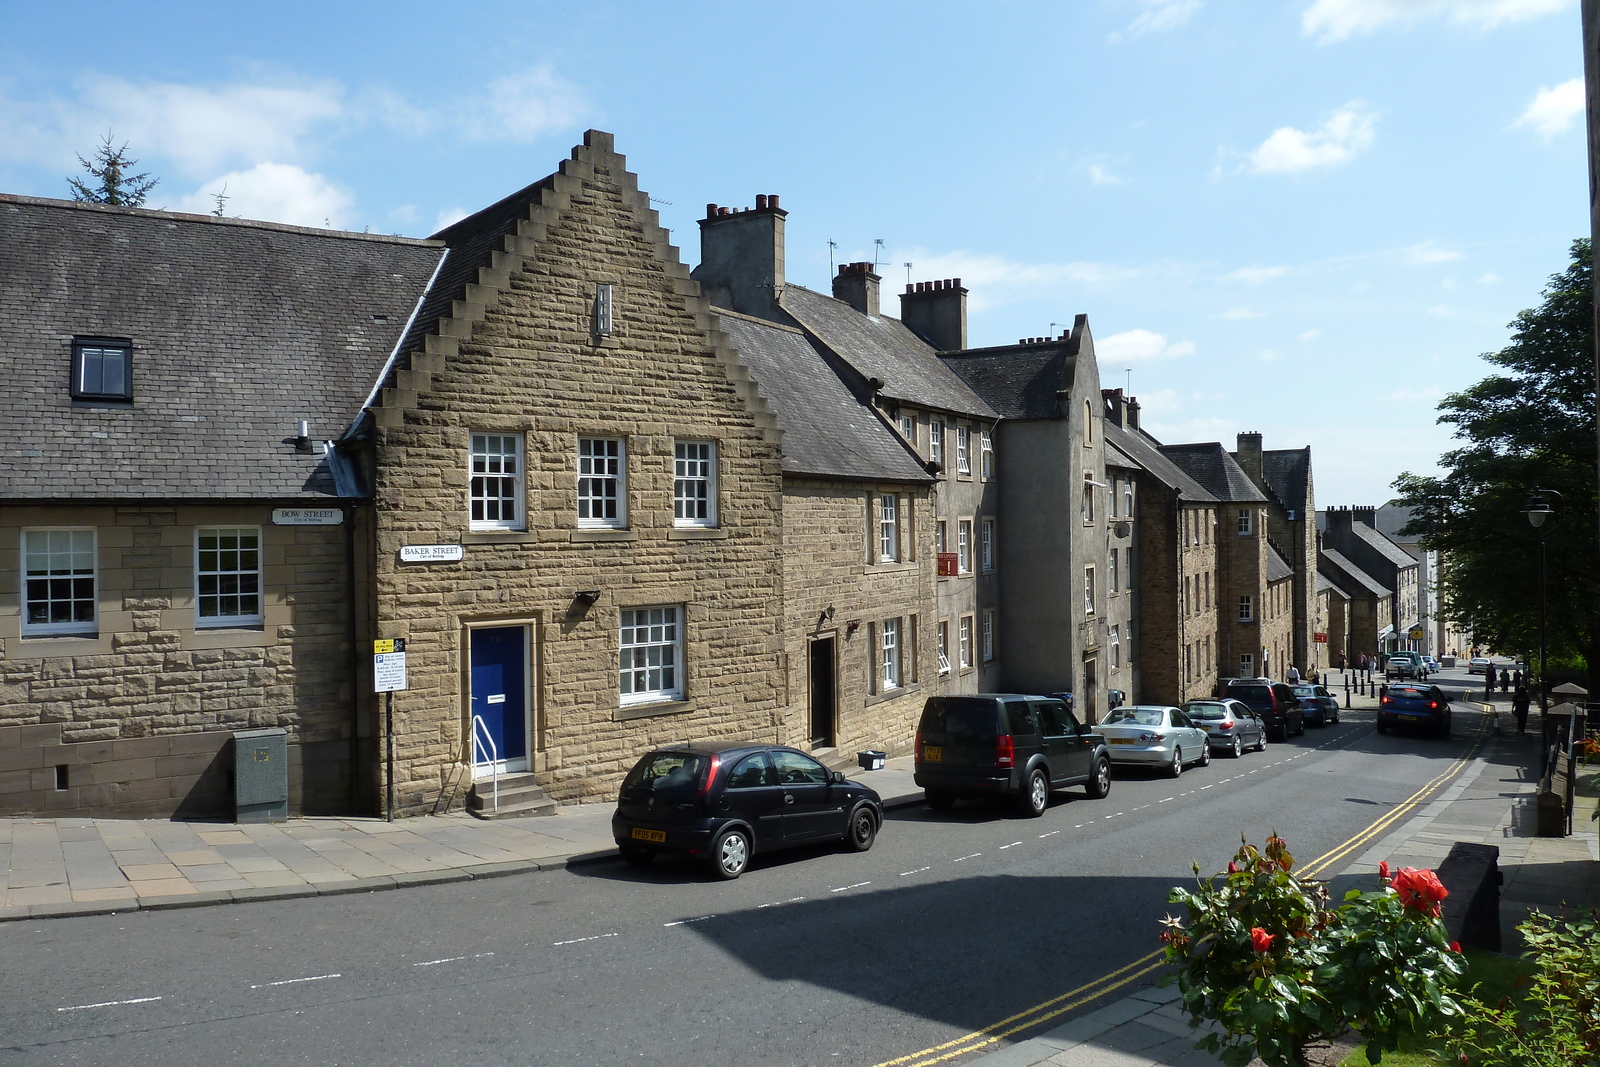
(112, 183)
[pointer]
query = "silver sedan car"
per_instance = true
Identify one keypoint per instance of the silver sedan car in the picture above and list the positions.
(1154, 735)
(1231, 726)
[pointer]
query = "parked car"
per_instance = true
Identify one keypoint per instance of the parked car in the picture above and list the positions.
(1274, 704)
(1430, 664)
(1008, 745)
(1404, 665)
(1479, 664)
(724, 803)
(1317, 705)
(1155, 735)
(1229, 725)
(1414, 704)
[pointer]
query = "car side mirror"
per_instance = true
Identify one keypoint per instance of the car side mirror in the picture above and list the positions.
(836, 777)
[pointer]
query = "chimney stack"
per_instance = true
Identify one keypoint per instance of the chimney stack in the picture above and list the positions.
(1248, 455)
(742, 257)
(1116, 406)
(857, 285)
(1368, 515)
(937, 312)
(1133, 413)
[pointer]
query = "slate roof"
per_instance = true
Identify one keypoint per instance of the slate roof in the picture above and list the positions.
(1212, 466)
(827, 429)
(1355, 575)
(239, 329)
(1146, 452)
(1277, 567)
(1324, 584)
(883, 348)
(1389, 550)
(1116, 457)
(1018, 381)
(1287, 472)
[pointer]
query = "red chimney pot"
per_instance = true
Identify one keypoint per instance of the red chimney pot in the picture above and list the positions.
(772, 201)
(761, 201)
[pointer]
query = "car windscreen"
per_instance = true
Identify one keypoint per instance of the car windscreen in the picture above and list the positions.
(1305, 691)
(1206, 711)
(1251, 694)
(1133, 717)
(960, 720)
(666, 772)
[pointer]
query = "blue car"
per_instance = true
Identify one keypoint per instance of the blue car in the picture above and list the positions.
(1319, 706)
(1417, 705)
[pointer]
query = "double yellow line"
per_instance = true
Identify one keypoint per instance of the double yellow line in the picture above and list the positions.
(1072, 999)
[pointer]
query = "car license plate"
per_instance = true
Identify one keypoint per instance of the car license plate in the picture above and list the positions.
(1408, 718)
(641, 834)
(1119, 740)
(932, 754)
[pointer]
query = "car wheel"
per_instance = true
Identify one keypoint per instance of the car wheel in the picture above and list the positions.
(1301, 729)
(1382, 727)
(1444, 728)
(1099, 783)
(1205, 755)
(1261, 743)
(1238, 747)
(862, 830)
(938, 799)
(730, 855)
(1176, 767)
(637, 857)
(1036, 794)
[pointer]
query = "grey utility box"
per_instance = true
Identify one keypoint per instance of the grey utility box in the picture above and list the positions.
(261, 775)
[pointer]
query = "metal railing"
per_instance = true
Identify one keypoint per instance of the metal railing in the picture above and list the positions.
(480, 729)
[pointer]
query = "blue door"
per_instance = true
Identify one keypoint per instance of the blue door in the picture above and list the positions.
(499, 697)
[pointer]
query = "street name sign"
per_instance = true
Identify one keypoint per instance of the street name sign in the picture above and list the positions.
(431, 553)
(307, 517)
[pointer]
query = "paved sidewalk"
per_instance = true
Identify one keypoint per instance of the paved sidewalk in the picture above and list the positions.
(1491, 802)
(58, 867)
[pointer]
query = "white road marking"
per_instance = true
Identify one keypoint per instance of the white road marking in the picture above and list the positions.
(1206, 786)
(1141, 807)
(1013, 844)
(686, 922)
(453, 959)
(1053, 833)
(1117, 815)
(580, 940)
(842, 888)
(297, 981)
(974, 856)
(919, 870)
(110, 1003)
(791, 900)
(1169, 800)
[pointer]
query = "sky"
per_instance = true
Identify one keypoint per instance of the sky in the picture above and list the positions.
(1306, 218)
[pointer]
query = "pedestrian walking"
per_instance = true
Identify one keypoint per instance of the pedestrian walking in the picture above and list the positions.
(1294, 675)
(1517, 681)
(1488, 683)
(1519, 708)
(1341, 661)
(1505, 680)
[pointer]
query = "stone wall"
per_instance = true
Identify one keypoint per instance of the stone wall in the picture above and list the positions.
(135, 719)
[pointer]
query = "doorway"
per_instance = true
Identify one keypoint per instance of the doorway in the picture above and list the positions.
(822, 675)
(499, 700)
(1091, 690)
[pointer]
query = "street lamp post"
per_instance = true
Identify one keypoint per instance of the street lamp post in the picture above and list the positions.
(1539, 511)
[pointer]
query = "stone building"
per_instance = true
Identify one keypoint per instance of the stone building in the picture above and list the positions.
(1284, 477)
(1368, 604)
(1353, 534)
(180, 533)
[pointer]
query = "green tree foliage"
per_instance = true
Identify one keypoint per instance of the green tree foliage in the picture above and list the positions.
(1532, 426)
(112, 183)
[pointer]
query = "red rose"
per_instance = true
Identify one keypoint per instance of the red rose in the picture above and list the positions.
(1455, 946)
(1260, 940)
(1419, 890)
(1383, 870)
(1233, 868)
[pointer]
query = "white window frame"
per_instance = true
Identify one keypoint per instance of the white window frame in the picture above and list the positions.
(598, 467)
(1246, 522)
(1088, 590)
(908, 429)
(1088, 501)
(889, 654)
(53, 562)
(964, 642)
(941, 535)
(986, 545)
(936, 442)
(1116, 647)
(495, 483)
(987, 637)
(964, 546)
(1247, 665)
(985, 455)
(888, 528)
(650, 654)
(944, 646)
(1113, 574)
(1247, 608)
(694, 484)
(963, 451)
(243, 576)
(1127, 498)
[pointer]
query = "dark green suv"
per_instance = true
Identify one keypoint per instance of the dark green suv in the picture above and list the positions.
(1007, 745)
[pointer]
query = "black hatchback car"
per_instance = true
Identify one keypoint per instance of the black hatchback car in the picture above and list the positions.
(723, 803)
(1002, 744)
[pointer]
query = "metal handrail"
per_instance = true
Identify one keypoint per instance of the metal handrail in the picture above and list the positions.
(479, 726)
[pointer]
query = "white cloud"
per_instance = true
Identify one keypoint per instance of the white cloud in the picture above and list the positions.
(1491, 278)
(525, 106)
(1335, 20)
(1255, 275)
(1166, 16)
(1311, 334)
(1239, 313)
(1347, 132)
(1442, 311)
(995, 280)
(448, 217)
(1101, 176)
(274, 192)
(1427, 252)
(1269, 355)
(1138, 346)
(1554, 110)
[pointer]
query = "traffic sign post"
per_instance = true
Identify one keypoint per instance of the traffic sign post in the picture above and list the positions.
(389, 674)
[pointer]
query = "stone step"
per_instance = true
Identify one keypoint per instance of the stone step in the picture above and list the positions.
(521, 795)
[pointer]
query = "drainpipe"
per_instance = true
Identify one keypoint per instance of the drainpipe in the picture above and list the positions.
(355, 652)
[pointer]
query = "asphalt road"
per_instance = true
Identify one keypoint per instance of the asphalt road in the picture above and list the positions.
(951, 924)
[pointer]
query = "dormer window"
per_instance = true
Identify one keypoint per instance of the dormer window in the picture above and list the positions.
(102, 369)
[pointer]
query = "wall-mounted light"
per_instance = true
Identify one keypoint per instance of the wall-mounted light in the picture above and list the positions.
(851, 627)
(586, 597)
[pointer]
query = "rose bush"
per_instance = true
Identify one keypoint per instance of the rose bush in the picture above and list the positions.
(1264, 954)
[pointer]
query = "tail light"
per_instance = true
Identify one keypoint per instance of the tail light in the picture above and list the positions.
(1387, 699)
(1005, 751)
(711, 774)
(918, 749)
(1227, 725)
(1433, 705)
(1152, 737)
